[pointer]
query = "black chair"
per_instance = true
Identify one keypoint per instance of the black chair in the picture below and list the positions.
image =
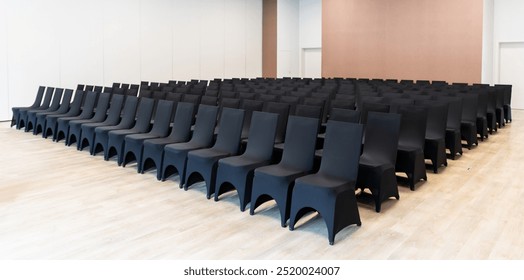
(192, 98)
(247, 95)
(371, 107)
(87, 134)
(293, 101)
(175, 155)
(435, 144)
(51, 121)
(62, 126)
(153, 150)
(101, 134)
(267, 97)
(36, 104)
(491, 110)
(39, 124)
(453, 124)
(202, 164)
(115, 141)
(344, 115)
(482, 114)
(507, 101)
(98, 89)
(249, 106)
(33, 115)
(499, 105)
(308, 111)
(30, 119)
(331, 191)
(75, 126)
(133, 143)
(318, 102)
(377, 162)
(468, 126)
(343, 103)
(282, 110)
(276, 181)
(22, 113)
(209, 100)
(410, 154)
(237, 172)
(174, 96)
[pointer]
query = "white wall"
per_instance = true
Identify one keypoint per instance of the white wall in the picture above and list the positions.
(299, 27)
(508, 27)
(310, 24)
(507, 31)
(487, 41)
(310, 38)
(288, 51)
(4, 97)
(65, 42)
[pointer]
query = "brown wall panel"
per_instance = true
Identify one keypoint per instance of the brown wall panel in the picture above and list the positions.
(402, 39)
(269, 39)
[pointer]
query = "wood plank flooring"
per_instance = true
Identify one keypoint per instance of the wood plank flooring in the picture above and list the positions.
(59, 203)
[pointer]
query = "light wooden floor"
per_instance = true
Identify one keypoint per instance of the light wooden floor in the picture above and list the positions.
(58, 203)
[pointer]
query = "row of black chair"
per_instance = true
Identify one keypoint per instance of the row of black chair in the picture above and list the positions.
(129, 135)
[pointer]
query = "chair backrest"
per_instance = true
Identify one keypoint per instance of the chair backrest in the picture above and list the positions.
(47, 98)
(164, 110)
(206, 119)
(247, 95)
(482, 105)
(145, 93)
(437, 118)
(98, 89)
(89, 88)
(230, 103)
(144, 113)
(469, 107)
(454, 112)
(344, 103)
(174, 96)
(412, 126)
(209, 100)
(89, 105)
(80, 87)
(372, 107)
(184, 114)
(113, 114)
(341, 153)
(66, 101)
(158, 95)
(309, 111)
(228, 138)
(282, 110)
(344, 115)
(249, 106)
(381, 139)
(267, 97)
(396, 102)
(192, 98)
(129, 111)
(262, 133)
(299, 148)
(39, 96)
(101, 107)
(492, 100)
(76, 105)
(118, 90)
(55, 104)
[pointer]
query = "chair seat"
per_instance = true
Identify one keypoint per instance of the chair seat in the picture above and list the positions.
(278, 170)
(330, 184)
(207, 154)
